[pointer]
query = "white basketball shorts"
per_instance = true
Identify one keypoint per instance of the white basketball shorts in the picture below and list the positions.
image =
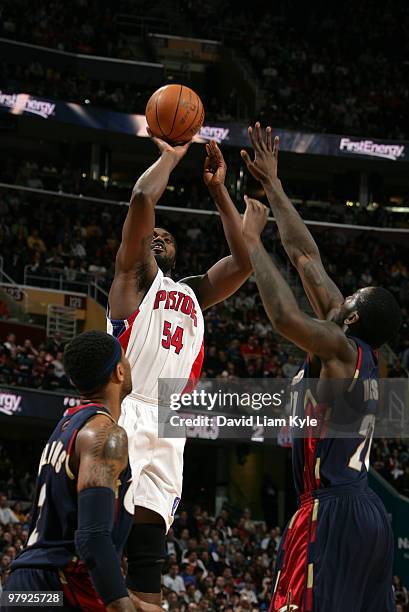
(156, 463)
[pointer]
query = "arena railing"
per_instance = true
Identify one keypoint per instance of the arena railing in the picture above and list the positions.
(94, 66)
(57, 280)
(200, 212)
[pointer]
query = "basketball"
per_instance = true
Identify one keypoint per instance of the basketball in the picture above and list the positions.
(174, 113)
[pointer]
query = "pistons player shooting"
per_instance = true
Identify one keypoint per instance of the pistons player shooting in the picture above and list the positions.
(79, 522)
(159, 323)
(337, 551)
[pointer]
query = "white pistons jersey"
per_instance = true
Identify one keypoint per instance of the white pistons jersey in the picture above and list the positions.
(163, 338)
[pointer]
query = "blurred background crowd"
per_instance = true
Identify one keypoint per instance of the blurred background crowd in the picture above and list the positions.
(74, 242)
(329, 68)
(323, 68)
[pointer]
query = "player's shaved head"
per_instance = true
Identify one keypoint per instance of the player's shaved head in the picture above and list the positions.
(161, 231)
(372, 314)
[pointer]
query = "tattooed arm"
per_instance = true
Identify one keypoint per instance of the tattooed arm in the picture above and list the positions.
(135, 265)
(322, 338)
(102, 450)
(102, 454)
(297, 240)
(303, 252)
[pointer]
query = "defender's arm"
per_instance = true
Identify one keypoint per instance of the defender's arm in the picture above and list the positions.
(102, 451)
(321, 338)
(297, 240)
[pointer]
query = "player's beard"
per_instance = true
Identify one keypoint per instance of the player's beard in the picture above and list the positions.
(340, 315)
(165, 262)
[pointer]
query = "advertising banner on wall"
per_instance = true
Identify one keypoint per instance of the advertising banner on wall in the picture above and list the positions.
(19, 402)
(232, 134)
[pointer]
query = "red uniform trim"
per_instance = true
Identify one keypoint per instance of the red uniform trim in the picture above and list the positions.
(124, 337)
(310, 447)
(195, 371)
(79, 590)
(308, 600)
(295, 560)
(360, 354)
(71, 411)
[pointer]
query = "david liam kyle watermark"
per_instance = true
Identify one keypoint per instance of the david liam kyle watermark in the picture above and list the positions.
(262, 409)
(252, 420)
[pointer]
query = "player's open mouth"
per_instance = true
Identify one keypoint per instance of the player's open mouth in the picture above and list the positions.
(157, 248)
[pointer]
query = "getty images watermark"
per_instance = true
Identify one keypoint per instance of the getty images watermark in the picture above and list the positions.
(205, 399)
(202, 399)
(262, 409)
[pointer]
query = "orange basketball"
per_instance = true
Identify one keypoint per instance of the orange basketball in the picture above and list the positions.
(174, 113)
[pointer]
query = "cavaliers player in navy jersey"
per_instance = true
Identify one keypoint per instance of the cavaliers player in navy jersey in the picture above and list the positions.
(79, 522)
(336, 553)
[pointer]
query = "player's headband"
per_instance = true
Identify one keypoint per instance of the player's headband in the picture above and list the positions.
(101, 376)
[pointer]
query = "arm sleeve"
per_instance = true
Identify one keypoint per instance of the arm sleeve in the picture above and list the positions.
(93, 540)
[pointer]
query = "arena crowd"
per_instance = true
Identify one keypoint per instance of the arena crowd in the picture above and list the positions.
(321, 68)
(314, 202)
(50, 241)
(319, 71)
(214, 564)
(221, 563)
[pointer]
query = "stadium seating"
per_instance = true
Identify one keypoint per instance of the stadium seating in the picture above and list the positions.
(214, 564)
(298, 62)
(319, 70)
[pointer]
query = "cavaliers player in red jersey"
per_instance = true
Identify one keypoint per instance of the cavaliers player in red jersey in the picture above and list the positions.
(337, 551)
(159, 323)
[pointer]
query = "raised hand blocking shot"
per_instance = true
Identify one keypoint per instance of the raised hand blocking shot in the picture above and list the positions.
(254, 219)
(264, 165)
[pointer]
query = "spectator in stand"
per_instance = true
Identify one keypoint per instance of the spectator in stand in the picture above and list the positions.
(188, 574)
(173, 581)
(251, 349)
(401, 592)
(10, 345)
(6, 513)
(35, 243)
(172, 546)
(183, 540)
(290, 368)
(17, 509)
(41, 369)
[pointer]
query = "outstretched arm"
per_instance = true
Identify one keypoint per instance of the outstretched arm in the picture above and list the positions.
(322, 338)
(297, 240)
(227, 275)
(102, 453)
(135, 265)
